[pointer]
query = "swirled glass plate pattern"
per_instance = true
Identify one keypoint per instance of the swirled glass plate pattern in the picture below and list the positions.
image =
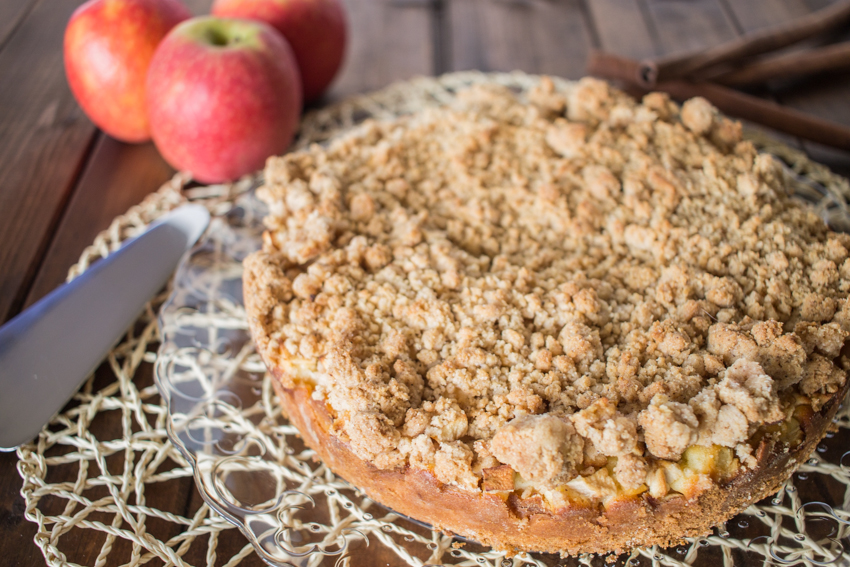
(252, 468)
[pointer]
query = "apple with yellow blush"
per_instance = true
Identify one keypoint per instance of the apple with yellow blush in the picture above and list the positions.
(108, 46)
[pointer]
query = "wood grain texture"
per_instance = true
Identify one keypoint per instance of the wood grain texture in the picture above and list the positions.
(535, 36)
(756, 14)
(813, 5)
(622, 28)
(12, 12)
(825, 97)
(632, 35)
(689, 25)
(16, 533)
(388, 42)
(44, 138)
(117, 176)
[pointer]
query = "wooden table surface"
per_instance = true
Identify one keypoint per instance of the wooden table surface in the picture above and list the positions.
(62, 180)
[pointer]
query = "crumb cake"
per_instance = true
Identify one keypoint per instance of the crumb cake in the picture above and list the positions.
(569, 322)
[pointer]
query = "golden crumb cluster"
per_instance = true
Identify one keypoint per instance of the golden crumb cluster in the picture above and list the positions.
(548, 284)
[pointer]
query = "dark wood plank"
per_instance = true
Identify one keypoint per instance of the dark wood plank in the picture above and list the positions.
(44, 138)
(117, 177)
(16, 534)
(561, 37)
(757, 14)
(388, 41)
(621, 27)
(535, 36)
(689, 25)
(813, 5)
(825, 97)
(625, 27)
(12, 12)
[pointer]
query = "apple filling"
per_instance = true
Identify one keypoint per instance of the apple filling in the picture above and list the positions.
(698, 469)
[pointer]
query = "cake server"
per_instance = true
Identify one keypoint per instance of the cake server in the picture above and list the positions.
(49, 350)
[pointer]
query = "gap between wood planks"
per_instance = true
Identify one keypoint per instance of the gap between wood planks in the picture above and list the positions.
(440, 37)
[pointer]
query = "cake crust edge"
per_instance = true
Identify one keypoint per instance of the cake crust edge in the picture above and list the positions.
(514, 524)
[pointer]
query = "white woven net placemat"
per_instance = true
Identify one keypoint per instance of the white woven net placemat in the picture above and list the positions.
(127, 490)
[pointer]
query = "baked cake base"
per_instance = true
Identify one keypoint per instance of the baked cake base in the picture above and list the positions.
(510, 523)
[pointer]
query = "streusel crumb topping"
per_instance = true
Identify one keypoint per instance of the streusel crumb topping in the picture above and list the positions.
(548, 284)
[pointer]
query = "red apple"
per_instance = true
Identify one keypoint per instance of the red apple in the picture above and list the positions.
(316, 30)
(223, 95)
(108, 47)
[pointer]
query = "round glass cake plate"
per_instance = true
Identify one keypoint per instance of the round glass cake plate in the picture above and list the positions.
(252, 468)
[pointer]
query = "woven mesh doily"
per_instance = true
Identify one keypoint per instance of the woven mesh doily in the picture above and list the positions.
(298, 505)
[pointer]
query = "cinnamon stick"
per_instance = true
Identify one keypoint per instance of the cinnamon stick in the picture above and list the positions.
(610, 66)
(808, 62)
(653, 71)
(728, 101)
(616, 68)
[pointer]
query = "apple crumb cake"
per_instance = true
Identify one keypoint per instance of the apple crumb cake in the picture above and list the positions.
(570, 323)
